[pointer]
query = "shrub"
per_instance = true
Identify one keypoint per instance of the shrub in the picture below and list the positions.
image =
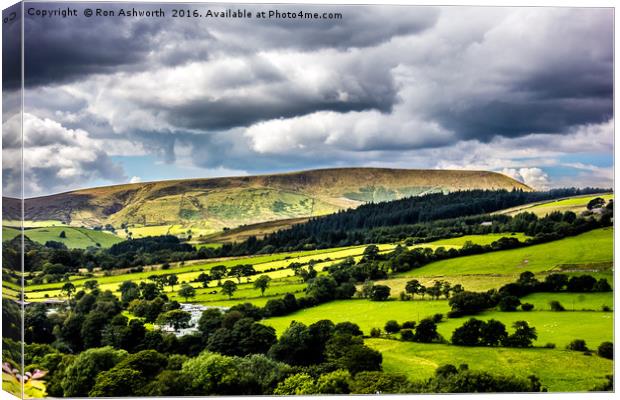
(527, 307)
(407, 335)
(509, 303)
(556, 306)
(380, 293)
(392, 326)
(375, 332)
(606, 308)
(577, 345)
(426, 331)
(437, 318)
(606, 350)
(549, 346)
(408, 325)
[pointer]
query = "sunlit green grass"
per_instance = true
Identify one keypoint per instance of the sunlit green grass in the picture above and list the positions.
(575, 204)
(559, 328)
(571, 301)
(76, 238)
(588, 248)
(367, 314)
(559, 370)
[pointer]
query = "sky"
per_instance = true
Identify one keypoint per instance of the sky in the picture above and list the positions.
(523, 91)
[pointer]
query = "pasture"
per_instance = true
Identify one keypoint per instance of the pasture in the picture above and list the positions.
(559, 328)
(575, 204)
(75, 238)
(274, 265)
(559, 370)
(576, 252)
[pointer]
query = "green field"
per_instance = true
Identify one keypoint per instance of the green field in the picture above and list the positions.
(76, 238)
(575, 204)
(559, 370)
(367, 314)
(553, 327)
(571, 301)
(278, 262)
(559, 328)
(594, 248)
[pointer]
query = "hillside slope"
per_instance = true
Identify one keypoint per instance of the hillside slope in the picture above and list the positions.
(216, 203)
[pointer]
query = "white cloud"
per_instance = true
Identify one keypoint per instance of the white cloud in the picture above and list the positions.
(57, 158)
(135, 179)
(533, 177)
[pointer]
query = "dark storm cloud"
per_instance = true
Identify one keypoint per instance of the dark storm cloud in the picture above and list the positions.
(11, 48)
(240, 111)
(377, 86)
(60, 50)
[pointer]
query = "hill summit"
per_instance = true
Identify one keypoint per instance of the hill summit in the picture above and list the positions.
(216, 203)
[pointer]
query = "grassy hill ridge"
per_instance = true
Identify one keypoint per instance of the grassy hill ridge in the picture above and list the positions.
(209, 205)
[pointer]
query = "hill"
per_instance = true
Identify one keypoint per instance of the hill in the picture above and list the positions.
(576, 204)
(209, 205)
(80, 238)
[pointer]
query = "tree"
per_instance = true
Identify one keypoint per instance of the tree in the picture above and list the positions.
(187, 291)
(374, 382)
(348, 328)
(371, 253)
(577, 345)
(493, 333)
(426, 331)
(90, 331)
(391, 326)
(448, 379)
(407, 335)
(467, 303)
(210, 321)
(322, 288)
(606, 350)
(446, 289)
(349, 352)
(413, 287)
(262, 283)
(468, 334)
(117, 383)
(380, 293)
(149, 291)
(555, 282)
(62, 235)
(556, 306)
(129, 291)
(367, 288)
(583, 283)
(91, 285)
(204, 279)
(218, 272)
(523, 336)
(176, 318)
(212, 373)
(335, 382)
(602, 286)
(509, 303)
(596, 202)
(435, 290)
(80, 375)
(298, 384)
(172, 280)
(296, 346)
(236, 271)
(68, 289)
(229, 288)
(245, 337)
